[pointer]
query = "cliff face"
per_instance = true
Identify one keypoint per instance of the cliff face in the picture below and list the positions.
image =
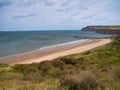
(103, 29)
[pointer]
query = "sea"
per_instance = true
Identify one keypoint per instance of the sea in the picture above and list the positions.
(15, 42)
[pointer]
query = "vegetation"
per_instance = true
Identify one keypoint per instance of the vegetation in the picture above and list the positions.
(98, 69)
(108, 27)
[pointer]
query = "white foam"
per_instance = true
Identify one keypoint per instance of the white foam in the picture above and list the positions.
(66, 44)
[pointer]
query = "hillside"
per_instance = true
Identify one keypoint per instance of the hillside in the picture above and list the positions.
(103, 29)
(98, 69)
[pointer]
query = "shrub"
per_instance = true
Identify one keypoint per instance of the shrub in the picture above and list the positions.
(19, 68)
(86, 81)
(58, 64)
(68, 61)
(3, 65)
(116, 74)
(33, 77)
(87, 52)
(26, 68)
(89, 81)
(46, 68)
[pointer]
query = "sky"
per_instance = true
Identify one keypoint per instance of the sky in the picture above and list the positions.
(57, 14)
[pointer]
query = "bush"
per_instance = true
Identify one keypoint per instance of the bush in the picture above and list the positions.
(116, 74)
(86, 81)
(46, 68)
(58, 64)
(26, 68)
(87, 52)
(19, 68)
(3, 65)
(33, 77)
(68, 61)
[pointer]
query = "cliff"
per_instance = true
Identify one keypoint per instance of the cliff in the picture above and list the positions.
(103, 29)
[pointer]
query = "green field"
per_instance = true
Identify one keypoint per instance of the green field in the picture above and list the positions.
(97, 69)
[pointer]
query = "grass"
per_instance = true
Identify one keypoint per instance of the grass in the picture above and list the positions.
(3, 65)
(108, 27)
(97, 69)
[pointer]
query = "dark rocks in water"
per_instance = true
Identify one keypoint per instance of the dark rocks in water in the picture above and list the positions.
(103, 29)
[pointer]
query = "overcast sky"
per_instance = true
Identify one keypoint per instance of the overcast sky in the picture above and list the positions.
(57, 14)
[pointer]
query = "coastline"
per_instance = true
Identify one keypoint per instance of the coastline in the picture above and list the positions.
(45, 55)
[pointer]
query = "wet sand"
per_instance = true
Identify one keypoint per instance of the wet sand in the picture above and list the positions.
(50, 54)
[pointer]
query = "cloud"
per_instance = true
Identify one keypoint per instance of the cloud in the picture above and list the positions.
(66, 3)
(5, 3)
(27, 3)
(60, 10)
(50, 2)
(23, 15)
(90, 11)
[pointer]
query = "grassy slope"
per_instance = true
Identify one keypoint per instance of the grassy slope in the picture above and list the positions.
(97, 69)
(108, 27)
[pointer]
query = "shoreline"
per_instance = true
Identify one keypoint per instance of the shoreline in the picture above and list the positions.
(50, 54)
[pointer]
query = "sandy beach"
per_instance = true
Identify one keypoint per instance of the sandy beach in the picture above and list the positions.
(38, 56)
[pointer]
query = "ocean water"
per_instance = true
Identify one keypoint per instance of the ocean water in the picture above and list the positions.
(16, 42)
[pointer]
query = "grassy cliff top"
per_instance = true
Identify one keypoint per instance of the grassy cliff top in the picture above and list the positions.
(108, 27)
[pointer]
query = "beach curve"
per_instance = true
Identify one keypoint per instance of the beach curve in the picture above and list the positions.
(54, 53)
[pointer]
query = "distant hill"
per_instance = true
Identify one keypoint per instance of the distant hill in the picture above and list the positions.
(103, 29)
